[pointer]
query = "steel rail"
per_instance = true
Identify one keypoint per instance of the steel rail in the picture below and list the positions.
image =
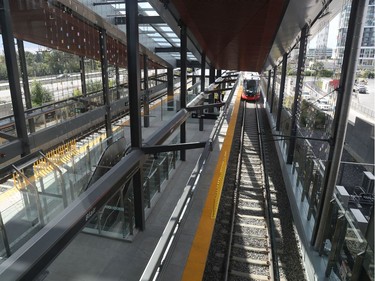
(271, 229)
(236, 195)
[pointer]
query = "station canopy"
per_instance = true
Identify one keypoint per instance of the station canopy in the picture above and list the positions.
(233, 35)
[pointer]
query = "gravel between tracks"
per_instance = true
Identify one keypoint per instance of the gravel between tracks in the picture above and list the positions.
(288, 247)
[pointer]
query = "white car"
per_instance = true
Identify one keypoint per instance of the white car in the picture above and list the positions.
(305, 95)
(360, 88)
(323, 104)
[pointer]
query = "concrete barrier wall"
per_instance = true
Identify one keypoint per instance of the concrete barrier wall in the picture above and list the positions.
(360, 140)
(6, 109)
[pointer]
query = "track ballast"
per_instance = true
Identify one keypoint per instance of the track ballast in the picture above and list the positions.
(247, 236)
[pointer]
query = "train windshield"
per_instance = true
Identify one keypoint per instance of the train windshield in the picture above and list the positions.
(251, 86)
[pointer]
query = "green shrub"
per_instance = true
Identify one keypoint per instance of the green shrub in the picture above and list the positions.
(39, 94)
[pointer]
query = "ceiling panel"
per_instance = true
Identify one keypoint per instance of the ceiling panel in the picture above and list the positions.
(234, 34)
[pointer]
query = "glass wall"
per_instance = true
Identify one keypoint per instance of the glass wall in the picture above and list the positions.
(348, 255)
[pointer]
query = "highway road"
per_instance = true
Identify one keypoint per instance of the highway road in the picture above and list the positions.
(368, 99)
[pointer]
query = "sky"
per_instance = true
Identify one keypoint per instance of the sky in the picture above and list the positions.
(28, 46)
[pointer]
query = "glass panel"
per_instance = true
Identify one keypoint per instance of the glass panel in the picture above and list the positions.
(353, 245)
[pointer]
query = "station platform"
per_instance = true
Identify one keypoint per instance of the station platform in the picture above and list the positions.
(89, 257)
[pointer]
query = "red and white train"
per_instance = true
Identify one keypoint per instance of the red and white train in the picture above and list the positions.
(251, 89)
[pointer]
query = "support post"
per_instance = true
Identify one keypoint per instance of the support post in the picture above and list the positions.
(83, 75)
(194, 78)
(156, 76)
(212, 75)
(183, 50)
(118, 94)
(132, 37)
(268, 84)
(139, 204)
(201, 118)
(281, 94)
(211, 96)
(13, 76)
(297, 93)
(25, 82)
(133, 72)
(170, 92)
(339, 125)
(203, 72)
(146, 107)
(104, 68)
(273, 88)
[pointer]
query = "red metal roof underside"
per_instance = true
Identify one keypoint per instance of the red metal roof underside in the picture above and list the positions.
(235, 34)
(55, 27)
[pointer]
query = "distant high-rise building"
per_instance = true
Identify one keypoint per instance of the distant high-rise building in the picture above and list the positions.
(321, 43)
(366, 58)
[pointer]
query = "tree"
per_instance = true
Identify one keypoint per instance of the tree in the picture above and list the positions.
(94, 86)
(39, 94)
(317, 67)
(3, 69)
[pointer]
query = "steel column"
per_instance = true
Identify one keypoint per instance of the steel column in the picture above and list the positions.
(132, 37)
(203, 86)
(269, 84)
(297, 93)
(104, 68)
(170, 91)
(339, 125)
(281, 93)
(156, 76)
(203, 72)
(212, 75)
(211, 96)
(146, 107)
(183, 86)
(273, 88)
(82, 71)
(25, 82)
(194, 78)
(139, 204)
(118, 94)
(13, 76)
(133, 72)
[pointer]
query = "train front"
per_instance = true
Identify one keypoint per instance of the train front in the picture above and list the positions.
(251, 90)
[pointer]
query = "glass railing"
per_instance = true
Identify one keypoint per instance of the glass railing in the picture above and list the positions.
(116, 218)
(349, 256)
(43, 189)
(39, 191)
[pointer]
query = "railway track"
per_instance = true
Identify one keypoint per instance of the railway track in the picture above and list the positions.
(245, 247)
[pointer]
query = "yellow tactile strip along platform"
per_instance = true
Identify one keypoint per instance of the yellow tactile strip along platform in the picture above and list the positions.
(196, 262)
